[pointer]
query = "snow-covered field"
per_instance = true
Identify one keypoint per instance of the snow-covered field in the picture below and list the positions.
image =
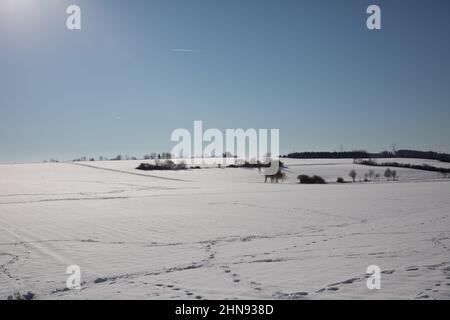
(221, 233)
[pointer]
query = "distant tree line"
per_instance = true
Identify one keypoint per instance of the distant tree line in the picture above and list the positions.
(430, 155)
(362, 154)
(119, 157)
(424, 167)
(356, 154)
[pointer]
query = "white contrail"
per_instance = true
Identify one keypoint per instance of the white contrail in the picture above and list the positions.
(183, 50)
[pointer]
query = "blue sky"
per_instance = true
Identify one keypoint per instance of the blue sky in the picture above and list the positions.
(310, 68)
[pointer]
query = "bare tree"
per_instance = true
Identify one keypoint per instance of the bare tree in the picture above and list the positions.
(353, 174)
(393, 174)
(388, 173)
(371, 174)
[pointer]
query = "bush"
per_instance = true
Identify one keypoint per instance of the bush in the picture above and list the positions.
(166, 165)
(181, 165)
(18, 296)
(340, 180)
(169, 164)
(318, 180)
(257, 164)
(303, 178)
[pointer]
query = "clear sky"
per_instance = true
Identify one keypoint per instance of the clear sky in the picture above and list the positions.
(140, 69)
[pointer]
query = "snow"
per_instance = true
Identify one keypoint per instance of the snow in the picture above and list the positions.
(217, 233)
